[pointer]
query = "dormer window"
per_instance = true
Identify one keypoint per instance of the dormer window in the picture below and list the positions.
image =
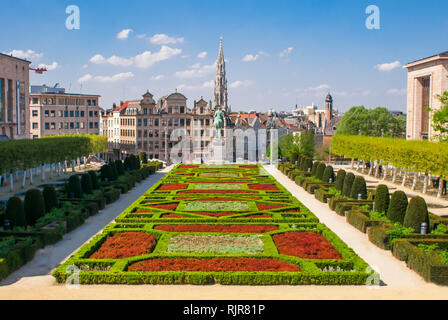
(201, 110)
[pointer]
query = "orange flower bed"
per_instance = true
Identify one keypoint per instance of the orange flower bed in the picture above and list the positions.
(216, 191)
(216, 228)
(169, 206)
(214, 265)
(125, 245)
(172, 215)
(262, 206)
(306, 245)
(263, 187)
(173, 186)
(144, 211)
(187, 167)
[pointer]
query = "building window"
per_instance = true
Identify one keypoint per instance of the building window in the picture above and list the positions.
(156, 122)
(65, 113)
(91, 125)
(76, 125)
(47, 113)
(426, 86)
(90, 113)
(71, 114)
(35, 113)
(95, 113)
(145, 122)
(81, 125)
(96, 125)
(53, 113)
(72, 125)
(207, 122)
(61, 125)
(201, 110)
(77, 114)
(61, 113)
(47, 126)
(182, 109)
(35, 136)
(82, 114)
(35, 125)
(139, 122)
(53, 126)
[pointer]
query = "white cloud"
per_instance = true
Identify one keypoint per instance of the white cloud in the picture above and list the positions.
(250, 57)
(202, 55)
(141, 36)
(196, 71)
(286, 52)
(28, 54)
(239, 84)
(162, 38)
(319, 87)
(158, 77)
(85, 66)
(143, 60)
(124, 34)
(49, 67)
(106, 79)
(394, 91)
(388, 66)
(204, 85)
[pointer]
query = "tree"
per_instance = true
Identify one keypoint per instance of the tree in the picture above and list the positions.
(34, 205)
(378, 122)
(15, 212)
(50, 198)
(305, 144)
(416, 214)
(397, 206)
(440, 118)
(381, 198)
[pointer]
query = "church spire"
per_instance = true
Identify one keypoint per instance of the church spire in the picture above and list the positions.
(221, 82)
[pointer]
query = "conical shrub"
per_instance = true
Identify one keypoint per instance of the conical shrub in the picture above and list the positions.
(74, 187)
(416, 214)
(34, 206)
(382, 198)
(314, 168)
(15, 212)
(114, 172)
(397, 206)
(340, 179)
(348, 183)
(106, 172)
(120, 167)
(320, 171)
(308, 164)
(94, 179)
(294, 157)
(127, 163)
(328, 174)
(359, 187)
(50, 198)
(86, 183)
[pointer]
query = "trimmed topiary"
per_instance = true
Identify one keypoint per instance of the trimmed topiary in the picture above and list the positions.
(314, 168)
(86, 183)
(397, 207)
(308, 164)
(348, 183)
(136, 162)
(294, 157)
(74, 188)
(328, 174)
(119, 166)
(416, 214)
(382, 198)
(359, 187)
(143, 157)
(106, 172)
(50, 198)
(114, 171)
(93, 179)
(15, 212)
(320, 171)
(340, 180)
(34, 206)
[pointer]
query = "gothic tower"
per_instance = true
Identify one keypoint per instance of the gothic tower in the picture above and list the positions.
(328, 107)
(221, 82)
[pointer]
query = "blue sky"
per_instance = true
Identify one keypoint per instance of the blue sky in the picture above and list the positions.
(279, 53)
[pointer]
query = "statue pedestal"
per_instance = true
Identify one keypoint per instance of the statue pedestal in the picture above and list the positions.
(218, 152)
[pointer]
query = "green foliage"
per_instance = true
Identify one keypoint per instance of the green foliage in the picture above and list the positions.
(397, 206)
(320, 171)
(34, 206)
(143, 157)
(120, 167)
(294, 157)
(94, 179)
(334, 191)
(106, 172)
(359, 187)
(15, 212)
(416, 214)
(314, 168)
(340, 179)
(86, 183)
(114, 171)
(398, 232)
(440, 118)
(50, 198)
(440, 229)
(382, 198)
(348, 183)
(306, 144)
(328, 174)
(74, 187)
(428, 247)
(379, 122)
(443, 254)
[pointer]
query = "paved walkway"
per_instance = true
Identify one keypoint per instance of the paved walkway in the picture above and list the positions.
(51, 256)
(399, 281)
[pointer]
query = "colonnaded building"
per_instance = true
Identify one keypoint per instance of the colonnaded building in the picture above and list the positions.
(427, 78)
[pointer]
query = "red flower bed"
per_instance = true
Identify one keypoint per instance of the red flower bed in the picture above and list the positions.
(183, 198)
(215, 214)
(144, 211)
(249, 167)
(262, 206)
(216, 228)
(172, 215)
(125, 245)
(214, 264)
(306, 245)
(260, 186)
(169, 206)
(187, 167)
(216, 191)
(220, 181)
(256, 216)
(173, 186)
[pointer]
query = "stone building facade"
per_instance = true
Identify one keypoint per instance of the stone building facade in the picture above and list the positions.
(427, 78)
(53, 112)
(14, 97)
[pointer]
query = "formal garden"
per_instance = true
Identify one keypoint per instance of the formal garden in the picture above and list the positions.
(226, 224)
(391, 221)
(44, 214)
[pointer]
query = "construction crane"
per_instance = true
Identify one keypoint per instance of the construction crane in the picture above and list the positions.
(39, 70)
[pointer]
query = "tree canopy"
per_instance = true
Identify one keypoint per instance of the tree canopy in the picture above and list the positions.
(378, 122)
(440, 118)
